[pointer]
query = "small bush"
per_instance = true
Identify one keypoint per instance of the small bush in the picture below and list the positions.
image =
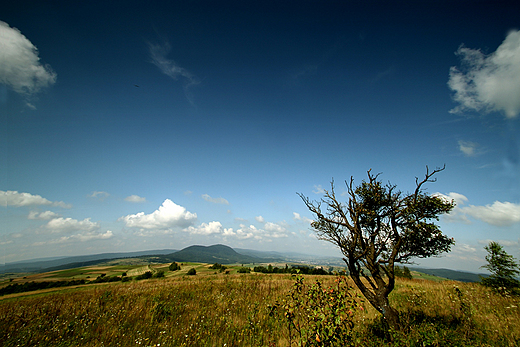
(244, 270)
(174, 266)
(158, 274)
(146, 275)
(318, 316)
(192, 272)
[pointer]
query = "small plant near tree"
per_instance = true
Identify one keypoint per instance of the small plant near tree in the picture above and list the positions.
(315, 315)
(192, 272)
(503, 267)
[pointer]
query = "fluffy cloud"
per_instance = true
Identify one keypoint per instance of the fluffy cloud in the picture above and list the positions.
(498, 213)
(318, 189)
(260, 219)
(21, 68)
(43, 215)
(68, 225)
(211, 228)
(215, 200)
(13, 198)
(489, 82)
(169, 215)
(135, 198)
(170, 68)
(297, 217)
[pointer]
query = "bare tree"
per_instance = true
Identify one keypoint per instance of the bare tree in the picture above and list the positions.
(379, 227)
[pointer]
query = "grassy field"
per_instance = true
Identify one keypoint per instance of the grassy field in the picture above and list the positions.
(218, 309)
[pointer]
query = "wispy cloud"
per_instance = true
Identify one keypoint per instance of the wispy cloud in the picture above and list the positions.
(99, 195)
(488, 82)
(468, 148)
(16, 199)
(21, 68)
(158, 55)
(135, 198)
(215, 200)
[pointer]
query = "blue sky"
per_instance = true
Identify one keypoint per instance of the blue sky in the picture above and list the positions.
(163, 125)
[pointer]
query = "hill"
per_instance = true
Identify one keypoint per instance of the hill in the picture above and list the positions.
(212, 254)
(42, 265)
(461, 276)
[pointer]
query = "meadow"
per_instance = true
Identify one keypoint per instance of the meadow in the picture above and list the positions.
(219, 309)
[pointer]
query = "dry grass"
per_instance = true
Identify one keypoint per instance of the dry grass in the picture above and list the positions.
(233, 310)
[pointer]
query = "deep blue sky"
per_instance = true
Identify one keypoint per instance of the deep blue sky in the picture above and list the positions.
(144, 125)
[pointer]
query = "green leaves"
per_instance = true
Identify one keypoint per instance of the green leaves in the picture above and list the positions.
(503, 268)
(316, 315)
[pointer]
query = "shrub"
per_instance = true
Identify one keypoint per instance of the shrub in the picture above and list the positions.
(192, 272)
(146, 275)
(158, 274)
(174, 266)
(244, 270)
(317, 316)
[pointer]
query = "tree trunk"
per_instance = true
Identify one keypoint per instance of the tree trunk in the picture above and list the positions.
(390, 314)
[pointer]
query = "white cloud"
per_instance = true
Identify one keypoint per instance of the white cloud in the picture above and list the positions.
(83, 237)
(169, 215)
(170, 68)
(135, 198)
(489, 82)
(98, 195)
(43, 215)
(208, 229)
(297, 217)
(215, 200)
(318, 189)
(260, 219)
(505, 243)
(13, 198)
(274, 227)
(88, 236)
(68, 225)
(468, 148)
(498, 213)
(20, 66)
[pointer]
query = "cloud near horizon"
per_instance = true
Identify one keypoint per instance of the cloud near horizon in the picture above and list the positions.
(68, 225)
(12, 198)
(488, 82)
(21, 68)
(168, 215)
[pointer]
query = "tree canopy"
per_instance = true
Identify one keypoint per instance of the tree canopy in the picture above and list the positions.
(378, 227)
(503, 268)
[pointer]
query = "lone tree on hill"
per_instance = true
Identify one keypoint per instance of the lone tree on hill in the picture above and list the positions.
(503, 268)
(379, 227)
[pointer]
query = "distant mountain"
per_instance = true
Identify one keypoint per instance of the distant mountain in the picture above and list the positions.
(212, 254)
(37, 265)
(461, 276)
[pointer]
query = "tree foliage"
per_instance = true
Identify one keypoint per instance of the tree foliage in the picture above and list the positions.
(503, 267)
(378, 227)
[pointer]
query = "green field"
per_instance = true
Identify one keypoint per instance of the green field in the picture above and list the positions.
(218, 309)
